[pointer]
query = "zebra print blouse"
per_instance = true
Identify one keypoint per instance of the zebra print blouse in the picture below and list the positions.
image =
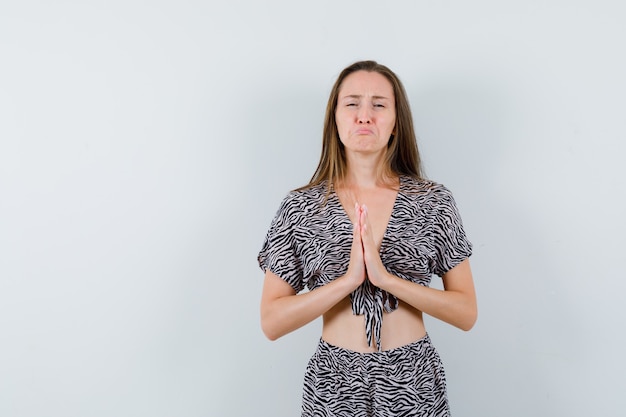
(308, 243)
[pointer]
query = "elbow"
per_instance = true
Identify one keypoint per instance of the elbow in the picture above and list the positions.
(269, 330)
(469, 320)
(271, 336)
(271, 322)
(467, 326)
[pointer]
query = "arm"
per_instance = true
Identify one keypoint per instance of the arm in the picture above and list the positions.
(455, 305)
(283, 311)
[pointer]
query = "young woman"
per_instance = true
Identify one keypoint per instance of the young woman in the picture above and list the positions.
(365, 237)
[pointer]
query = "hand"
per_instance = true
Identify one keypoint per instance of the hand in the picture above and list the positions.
(376, 272)
(356, 268)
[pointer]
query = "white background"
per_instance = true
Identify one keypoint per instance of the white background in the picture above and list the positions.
(145, 147)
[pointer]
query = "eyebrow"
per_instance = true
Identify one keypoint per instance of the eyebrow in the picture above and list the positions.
(359, 96)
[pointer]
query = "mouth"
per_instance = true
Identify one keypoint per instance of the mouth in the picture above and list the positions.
(364, 131)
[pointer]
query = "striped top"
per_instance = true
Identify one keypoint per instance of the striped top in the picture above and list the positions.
(308, 243)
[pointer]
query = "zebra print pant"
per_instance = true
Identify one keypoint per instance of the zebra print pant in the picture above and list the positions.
(406, 381)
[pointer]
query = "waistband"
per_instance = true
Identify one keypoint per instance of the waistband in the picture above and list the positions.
(414, 347)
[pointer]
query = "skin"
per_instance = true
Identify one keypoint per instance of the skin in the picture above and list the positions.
(366, 119)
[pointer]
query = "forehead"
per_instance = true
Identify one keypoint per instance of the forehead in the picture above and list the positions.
(365, 83)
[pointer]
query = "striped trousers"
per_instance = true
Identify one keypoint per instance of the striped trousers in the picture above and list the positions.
(406, 381)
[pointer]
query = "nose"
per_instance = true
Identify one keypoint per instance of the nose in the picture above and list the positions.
(364, 116)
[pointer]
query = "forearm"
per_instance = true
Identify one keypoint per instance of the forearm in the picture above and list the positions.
(282, 315)
(457, 308)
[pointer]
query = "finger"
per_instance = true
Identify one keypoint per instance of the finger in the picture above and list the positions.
(367, 238)
(356, 235)
(364, 220)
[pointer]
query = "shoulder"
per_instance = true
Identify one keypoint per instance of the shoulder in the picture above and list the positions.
(304, 200)
(427, 195)
(423, 189)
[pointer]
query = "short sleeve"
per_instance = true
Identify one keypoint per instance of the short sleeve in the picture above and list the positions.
(278, 253)
(451, 244)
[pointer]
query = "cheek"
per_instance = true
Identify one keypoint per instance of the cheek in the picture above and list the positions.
(341, 128)
(392, 125)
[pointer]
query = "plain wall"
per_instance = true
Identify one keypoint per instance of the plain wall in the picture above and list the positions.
(145, 147)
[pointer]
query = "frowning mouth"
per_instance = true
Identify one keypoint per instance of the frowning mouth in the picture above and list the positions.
(364, 131)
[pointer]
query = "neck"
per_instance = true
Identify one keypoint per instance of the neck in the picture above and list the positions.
(366, 171)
